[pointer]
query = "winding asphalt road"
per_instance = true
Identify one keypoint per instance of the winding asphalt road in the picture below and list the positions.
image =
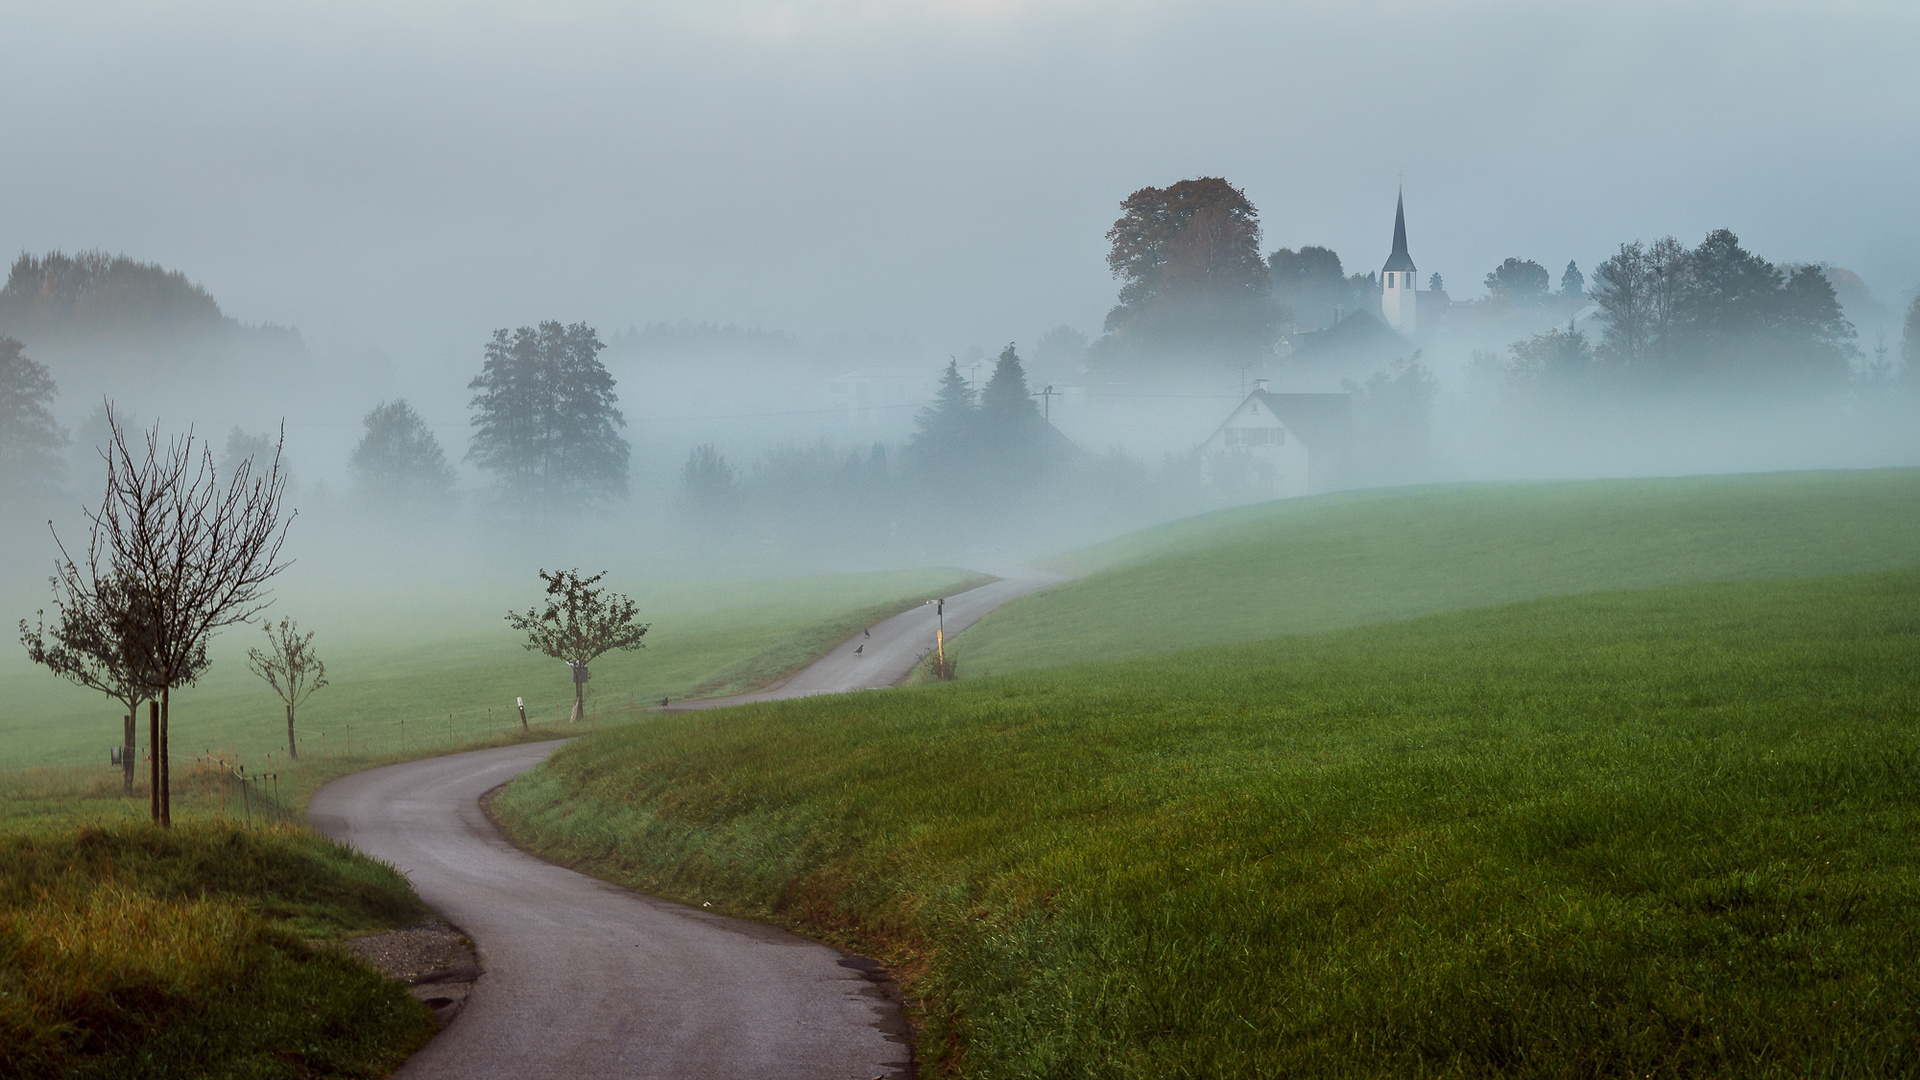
(587, 979)
(889, 650)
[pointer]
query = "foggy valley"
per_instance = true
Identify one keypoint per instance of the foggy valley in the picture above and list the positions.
(1172, 538)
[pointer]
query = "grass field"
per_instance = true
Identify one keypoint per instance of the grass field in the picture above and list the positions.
(1656, 833)
(443, 668)
(129, 951)
(126, 950)
(1304, 565)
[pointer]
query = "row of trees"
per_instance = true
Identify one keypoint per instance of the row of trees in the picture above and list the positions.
(1718, 313)
(1714, 317)
(994, 441)
(1193, 283)
(545, 417)
(978, 455)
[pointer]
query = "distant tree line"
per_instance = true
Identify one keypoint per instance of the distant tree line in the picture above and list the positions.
(1194, 287)
(1715, 317)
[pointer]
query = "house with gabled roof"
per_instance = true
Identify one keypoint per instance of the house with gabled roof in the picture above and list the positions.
(1279, 445)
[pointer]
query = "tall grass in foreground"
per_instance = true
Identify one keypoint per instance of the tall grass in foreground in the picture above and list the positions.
(1663, 833)
(132, 951)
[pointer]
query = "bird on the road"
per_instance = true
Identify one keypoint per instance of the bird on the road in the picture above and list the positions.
(868, 633)
(859, 650)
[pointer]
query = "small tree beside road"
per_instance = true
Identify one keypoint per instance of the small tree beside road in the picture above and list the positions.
(580, 624)
(172, 556)
(290, 666)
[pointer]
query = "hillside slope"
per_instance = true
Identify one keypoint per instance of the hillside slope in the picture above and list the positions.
(1656, 833)
(1305, 565)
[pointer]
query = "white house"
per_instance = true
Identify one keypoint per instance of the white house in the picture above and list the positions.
(1278, 445)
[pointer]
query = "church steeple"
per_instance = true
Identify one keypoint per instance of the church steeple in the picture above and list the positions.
(1400, 261)
(1398, 279)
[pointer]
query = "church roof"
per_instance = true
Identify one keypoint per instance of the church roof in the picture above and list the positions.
(1399, 261)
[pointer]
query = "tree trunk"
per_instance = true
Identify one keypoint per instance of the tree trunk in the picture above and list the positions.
(579, 702)
(153, 755)
(127, 748)
(160, 755)
(293, 752)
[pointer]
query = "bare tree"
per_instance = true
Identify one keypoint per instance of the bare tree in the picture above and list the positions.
(172, 556)
(579, 625)
(290, 666)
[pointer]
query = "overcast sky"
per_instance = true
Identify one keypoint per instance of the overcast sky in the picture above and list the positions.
(409, 174)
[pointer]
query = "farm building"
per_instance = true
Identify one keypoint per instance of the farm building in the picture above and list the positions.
(1279, 445)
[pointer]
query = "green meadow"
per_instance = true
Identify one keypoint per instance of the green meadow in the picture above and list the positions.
(200, 951)
(1631, 826)
(1304, 565)
(412, 671)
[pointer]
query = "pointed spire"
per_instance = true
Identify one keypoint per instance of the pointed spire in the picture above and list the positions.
(1399, 261)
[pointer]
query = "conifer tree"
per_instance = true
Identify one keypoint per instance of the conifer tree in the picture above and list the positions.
(545, 418)
(946, 429)
(1012, 434)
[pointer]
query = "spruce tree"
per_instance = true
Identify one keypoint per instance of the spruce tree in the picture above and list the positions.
(1012, 434)
(944, 442)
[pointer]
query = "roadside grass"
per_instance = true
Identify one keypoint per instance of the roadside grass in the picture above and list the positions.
(131, 951)
(443, 669)
(1666, 833)
(1354, 558)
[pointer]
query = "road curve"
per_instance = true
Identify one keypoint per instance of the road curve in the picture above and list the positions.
(887, 652)
(587, 979)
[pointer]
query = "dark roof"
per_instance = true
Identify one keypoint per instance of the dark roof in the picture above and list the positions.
(1399, 261)
(1321, 421)
(1359, 334)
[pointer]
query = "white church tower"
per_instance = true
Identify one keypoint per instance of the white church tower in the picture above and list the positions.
(1398, 304)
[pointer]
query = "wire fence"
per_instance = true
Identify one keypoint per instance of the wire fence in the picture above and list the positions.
(363, 737)
(252, 795)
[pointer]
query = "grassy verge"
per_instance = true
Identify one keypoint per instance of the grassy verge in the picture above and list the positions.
(1655, 833)
(1306, 565)
(127, 951)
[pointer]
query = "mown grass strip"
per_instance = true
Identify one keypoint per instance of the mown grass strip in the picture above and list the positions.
(1666, 833)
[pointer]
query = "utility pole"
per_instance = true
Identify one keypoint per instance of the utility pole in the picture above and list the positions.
(1046, 399)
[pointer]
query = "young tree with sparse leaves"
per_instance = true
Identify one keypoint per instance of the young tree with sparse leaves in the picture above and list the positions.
(291, 667)
(85, 646)
(580, 624)
(173, 555)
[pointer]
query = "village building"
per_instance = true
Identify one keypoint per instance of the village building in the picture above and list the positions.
(1279, 445)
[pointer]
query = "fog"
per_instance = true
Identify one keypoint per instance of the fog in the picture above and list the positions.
(783, 220)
